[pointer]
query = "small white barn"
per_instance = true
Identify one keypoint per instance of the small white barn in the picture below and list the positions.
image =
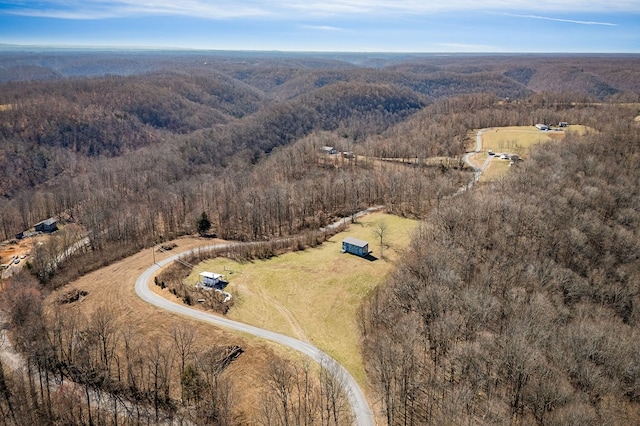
(210, 279)
(328, 150)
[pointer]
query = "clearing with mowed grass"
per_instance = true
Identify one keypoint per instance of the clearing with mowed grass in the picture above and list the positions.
(516, 140)
(315, 294)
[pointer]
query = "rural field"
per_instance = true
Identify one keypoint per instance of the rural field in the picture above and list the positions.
(112, 288)
(515, 140)
(315, 294)
(520, 139)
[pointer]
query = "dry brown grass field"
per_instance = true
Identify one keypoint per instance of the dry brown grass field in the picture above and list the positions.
(515, 140)
(315, 294)
(112, 288)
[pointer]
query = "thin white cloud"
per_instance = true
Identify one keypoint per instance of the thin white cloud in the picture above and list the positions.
(571, 21)
(102, 9)
(435, 6)
(296, 9)
(61, 14)
(322, 28)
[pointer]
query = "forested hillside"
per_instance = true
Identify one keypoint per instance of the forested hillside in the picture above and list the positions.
(135, 147)
(518, 302)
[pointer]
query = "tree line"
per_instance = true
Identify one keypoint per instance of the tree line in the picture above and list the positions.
(129, 202)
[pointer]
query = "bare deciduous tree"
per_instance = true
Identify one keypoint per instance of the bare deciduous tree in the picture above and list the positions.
(380, 229)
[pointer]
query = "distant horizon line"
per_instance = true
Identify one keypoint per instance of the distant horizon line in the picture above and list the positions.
(17, 47)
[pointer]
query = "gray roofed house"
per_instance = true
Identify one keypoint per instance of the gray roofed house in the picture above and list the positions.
(49, 225)
(211, 280)
(329, 150)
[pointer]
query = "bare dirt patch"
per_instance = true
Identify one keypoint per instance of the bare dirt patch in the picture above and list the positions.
(10, 249)
(15, 253)
(71, 296)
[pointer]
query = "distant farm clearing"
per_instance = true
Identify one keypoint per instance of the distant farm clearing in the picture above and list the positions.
(516, 140)
(315, 294)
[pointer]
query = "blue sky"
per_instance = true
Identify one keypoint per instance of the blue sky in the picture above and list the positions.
(329, 25)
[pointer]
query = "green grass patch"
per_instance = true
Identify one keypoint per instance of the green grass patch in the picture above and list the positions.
(316, 293)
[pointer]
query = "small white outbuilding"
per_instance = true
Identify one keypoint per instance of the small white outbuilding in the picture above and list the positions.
(210, 279)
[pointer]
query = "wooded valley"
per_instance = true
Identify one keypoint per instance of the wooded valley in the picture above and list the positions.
(517, 302)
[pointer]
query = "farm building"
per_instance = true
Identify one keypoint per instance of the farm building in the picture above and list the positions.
(355, 246)
(329, 150)
(49, 225)
(211, 280)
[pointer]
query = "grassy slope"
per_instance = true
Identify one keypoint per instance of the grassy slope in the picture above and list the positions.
(520, 139)
(515, 140)
(315, 294)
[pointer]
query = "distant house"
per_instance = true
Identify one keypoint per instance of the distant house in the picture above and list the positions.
(329, 150)
(211, 280)
(542, 127)
(49, 225)
(355, 246)
(563, 124)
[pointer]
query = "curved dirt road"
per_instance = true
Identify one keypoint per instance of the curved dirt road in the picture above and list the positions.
(359, 404)
(477, 171)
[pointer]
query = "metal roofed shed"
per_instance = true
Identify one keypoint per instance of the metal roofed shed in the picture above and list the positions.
(211, 280)
(329, 150)
(355, 246)
(49, 225)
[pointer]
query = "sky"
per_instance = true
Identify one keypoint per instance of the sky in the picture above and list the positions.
(470, 26)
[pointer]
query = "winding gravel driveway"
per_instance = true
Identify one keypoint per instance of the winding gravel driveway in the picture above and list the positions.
(477, 171)
(359, 404)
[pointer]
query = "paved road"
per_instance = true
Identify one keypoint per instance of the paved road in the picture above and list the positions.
(360, 407)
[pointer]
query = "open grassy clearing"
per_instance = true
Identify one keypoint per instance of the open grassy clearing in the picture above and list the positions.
(495, 170)
(315, 294)
(515, 140)
(520, 139)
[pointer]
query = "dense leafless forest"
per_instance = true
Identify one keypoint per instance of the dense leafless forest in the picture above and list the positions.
(517, 302)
